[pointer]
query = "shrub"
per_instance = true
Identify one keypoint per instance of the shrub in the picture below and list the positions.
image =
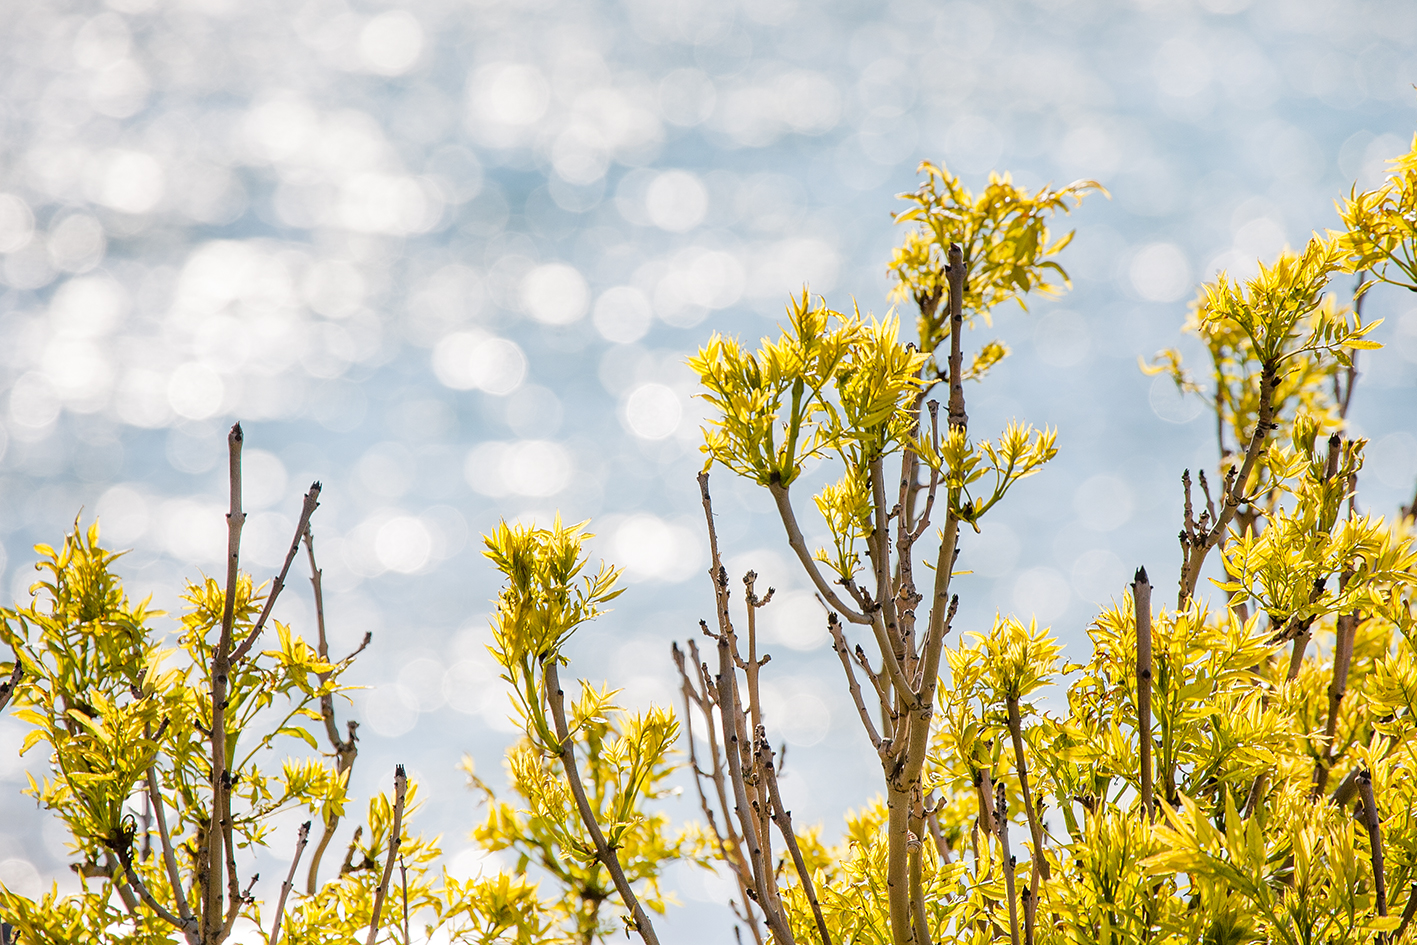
(1229, 770)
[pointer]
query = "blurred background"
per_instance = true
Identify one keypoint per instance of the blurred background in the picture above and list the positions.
(448, 258)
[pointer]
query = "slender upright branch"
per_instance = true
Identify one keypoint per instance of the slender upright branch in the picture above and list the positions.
(839, 644)
(607, 856)
(1235, 491)
(212, 865)
(1141, 598)
(1035, 828)
(169, 856)
(285, 887)
(1001, 802)
(308, 507)
(782, 817)
(395, 837)
(1375, 838)
(1347, 627)
(347, 749)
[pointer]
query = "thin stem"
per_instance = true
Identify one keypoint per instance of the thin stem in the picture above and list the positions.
(212, 863)
(1002, 805)
(285, 887)
(346, 750)
(1235, 493)
(804, 554)
(840, 646)
(1035, 829)
(311, 503)
(169, 856)
(395, 837)
(1375, 838)
(608, 858)
(187, 925)
(782, 817)
(1141, 597)
(1346, 626)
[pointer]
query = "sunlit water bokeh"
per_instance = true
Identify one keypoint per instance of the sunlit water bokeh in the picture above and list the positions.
(448, 258)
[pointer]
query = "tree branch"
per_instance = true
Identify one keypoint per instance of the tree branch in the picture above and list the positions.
(608, 858)
(1141, 597)
(395, 837)
(311, 503)
(783, 818)
(840, 646)
(285, 887)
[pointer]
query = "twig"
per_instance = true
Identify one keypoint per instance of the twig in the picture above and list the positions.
(403, 879)
(1346, 627)
(187, 925)
(1197, 548)
(1407, 914)
(346, 750)
(840, 646)
(1141, 596)
(169, 856)
(1375, 838)
(607, 856)
(212, 863)
(1002, 806)
(395, 831)
(311, 503)
(783, 818)
(1035, 829)
(285, 887)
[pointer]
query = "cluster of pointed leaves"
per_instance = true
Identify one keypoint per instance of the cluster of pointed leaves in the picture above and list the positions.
(1381, 225)
(115, 708)
(626, 761)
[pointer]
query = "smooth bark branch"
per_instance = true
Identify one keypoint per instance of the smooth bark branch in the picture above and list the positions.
(395, 837)
(1141, 598)
(1375, 838)
(213, 861)
(1407, 914)
(921, 927)
(285, 887)
(783, 818)
(1347, 626)
(1002, 806)
(1035, 829)
(840, 646)
(169, 857)
(346, 750)
(804, 554)
(608, 858)
(1235, 493)
(957, 418)
(879, 545)
(933, 821)
(187, 925)
(311, 503)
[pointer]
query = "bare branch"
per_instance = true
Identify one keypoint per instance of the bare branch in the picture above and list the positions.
(211, 864)
(607, 856)
(312, 502)
(782, 817)
(395, 837)
(1375, 838)
(285, 887)
(1141, 597)
(839, 644)
(169, 856)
